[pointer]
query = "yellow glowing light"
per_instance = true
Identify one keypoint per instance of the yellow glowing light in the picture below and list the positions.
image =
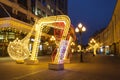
(47, 43)
(79, 48)
(94, 45)
(52, 38)
(80, 25)
(72, 44)
(18, 49)
(83, 29)
(76, 30)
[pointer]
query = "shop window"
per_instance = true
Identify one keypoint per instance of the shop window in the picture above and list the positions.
(1, 37)
(11, 35)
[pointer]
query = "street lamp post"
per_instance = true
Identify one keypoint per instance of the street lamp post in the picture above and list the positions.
(79, 30)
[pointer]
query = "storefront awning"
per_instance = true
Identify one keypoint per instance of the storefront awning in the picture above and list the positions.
(17, 25)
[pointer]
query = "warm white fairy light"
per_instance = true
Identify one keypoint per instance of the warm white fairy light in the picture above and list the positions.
(18, 50)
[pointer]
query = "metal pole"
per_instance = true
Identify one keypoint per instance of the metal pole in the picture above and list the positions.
(81, 55)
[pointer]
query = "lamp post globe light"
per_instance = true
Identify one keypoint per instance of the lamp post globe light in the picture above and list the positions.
(79, 30)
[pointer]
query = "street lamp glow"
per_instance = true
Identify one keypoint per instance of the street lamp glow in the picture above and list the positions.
(80, 29)
(76, 30)
(92, 41)
(80, 25)
(52, 38)
(72, 44)
(83, 29)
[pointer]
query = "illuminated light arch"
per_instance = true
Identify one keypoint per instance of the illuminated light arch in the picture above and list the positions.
(61, 20)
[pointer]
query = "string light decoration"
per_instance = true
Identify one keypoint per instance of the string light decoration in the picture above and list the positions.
(94, 45)
(48, 21)
(17, 50)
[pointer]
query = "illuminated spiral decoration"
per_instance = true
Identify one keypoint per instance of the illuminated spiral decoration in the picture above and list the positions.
(18, 50)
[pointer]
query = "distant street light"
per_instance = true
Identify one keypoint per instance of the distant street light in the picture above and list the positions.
(79, 30)
(52, 38)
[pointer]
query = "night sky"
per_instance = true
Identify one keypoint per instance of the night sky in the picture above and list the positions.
(93, 14)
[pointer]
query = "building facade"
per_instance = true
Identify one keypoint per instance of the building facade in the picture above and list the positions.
(18, 16)
(110, 36)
